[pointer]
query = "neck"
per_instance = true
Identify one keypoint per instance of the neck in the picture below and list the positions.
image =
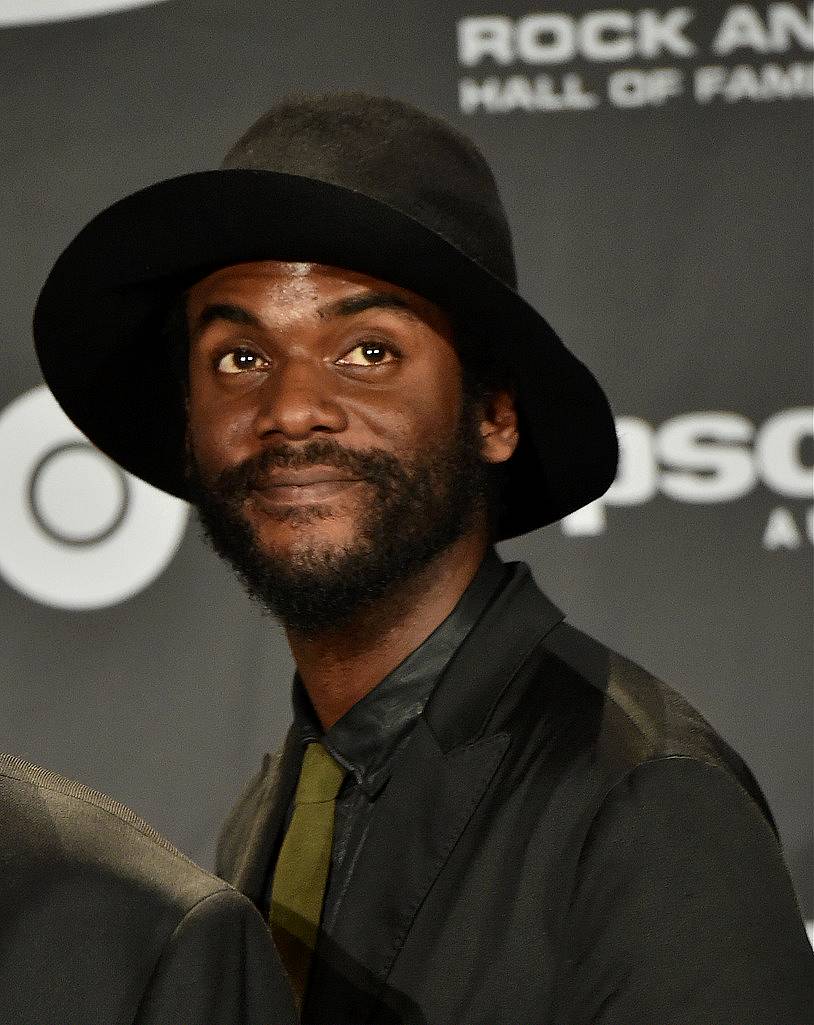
(339, 668)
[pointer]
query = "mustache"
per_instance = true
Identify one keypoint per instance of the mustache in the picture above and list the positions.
(373, 465)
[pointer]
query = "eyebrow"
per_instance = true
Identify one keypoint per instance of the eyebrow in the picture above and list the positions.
(353, 304)
(223, 311)
(347, 307)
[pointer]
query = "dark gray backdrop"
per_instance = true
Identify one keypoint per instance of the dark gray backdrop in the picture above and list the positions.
(662, 222)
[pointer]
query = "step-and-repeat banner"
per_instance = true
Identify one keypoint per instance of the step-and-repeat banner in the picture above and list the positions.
(655, 162)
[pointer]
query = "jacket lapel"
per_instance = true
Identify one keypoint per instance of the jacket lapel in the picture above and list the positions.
(253, 833)
(415, 824)
(437, 780)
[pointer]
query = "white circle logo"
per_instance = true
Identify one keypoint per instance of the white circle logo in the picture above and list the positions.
(28, 12)
(76, 532)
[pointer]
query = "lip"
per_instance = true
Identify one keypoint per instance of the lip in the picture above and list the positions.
(310, 475)
(304, 493)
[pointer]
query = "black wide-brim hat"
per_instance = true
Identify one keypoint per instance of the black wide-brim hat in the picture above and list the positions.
(364, 183)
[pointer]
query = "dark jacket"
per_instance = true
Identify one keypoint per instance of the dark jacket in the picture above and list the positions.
(563, 841)
(103, 922)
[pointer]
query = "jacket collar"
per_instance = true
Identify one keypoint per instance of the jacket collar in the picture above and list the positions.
(512, 626)
(365, 738)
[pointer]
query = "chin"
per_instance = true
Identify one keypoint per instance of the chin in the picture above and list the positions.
(301, 528)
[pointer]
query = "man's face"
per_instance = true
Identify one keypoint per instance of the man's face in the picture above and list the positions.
(332, 449)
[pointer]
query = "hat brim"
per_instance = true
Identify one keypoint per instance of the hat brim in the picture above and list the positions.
(98, 323)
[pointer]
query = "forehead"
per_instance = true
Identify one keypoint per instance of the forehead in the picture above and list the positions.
(273, 285)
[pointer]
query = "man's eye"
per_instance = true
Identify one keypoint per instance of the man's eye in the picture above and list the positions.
(368, 354)
(238, 360)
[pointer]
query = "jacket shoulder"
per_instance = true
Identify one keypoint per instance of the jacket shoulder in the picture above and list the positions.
(103, 920)
(635, 717)
(68, 824)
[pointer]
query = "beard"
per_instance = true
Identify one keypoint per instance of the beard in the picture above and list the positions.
(409, 513)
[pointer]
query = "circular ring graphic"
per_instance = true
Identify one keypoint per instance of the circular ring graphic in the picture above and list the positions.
(45, 518)
(32, 12)
(76, 532)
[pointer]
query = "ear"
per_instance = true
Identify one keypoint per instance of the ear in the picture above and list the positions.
(499, 427)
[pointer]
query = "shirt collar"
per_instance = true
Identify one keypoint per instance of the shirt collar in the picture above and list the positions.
(368, 734)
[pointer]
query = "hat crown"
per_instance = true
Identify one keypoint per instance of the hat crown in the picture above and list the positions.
(394, 153)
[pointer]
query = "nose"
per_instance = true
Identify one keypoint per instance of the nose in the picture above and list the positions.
(297, 400)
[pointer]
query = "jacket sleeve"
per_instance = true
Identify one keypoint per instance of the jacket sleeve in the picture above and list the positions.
(219, 967)
(683, 911)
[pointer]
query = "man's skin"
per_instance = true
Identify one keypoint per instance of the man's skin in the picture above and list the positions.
(285, 352)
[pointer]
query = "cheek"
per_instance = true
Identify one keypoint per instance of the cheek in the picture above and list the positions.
(218, 436)
(422, 412)
(436, 399)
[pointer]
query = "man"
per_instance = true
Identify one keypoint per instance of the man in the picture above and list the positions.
(103, 921)
(480, 815)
